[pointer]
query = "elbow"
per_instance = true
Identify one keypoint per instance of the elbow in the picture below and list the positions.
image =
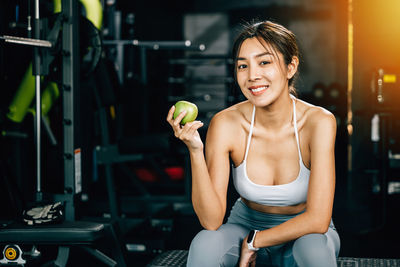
(322, 229)
(321, 226)
(211, 225)
(318, 224)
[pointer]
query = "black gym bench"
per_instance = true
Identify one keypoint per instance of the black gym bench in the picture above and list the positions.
(89, 236)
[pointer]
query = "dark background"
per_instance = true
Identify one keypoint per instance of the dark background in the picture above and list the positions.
(364, 214)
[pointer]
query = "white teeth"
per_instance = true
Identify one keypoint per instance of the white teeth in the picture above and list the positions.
(259, 89)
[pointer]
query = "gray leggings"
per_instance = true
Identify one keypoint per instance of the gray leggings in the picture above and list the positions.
(222, 247)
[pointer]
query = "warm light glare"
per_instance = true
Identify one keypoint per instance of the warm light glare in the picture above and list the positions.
(389, 78)
(350, 83)
(377, 33)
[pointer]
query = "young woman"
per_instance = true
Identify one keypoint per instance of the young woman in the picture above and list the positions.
(282, 150)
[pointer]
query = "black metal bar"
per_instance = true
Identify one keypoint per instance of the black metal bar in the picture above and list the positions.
(62, 256)
(36, 73)
(70, 78)
(100, 256)
(113, 234)
(26, 41)
(49, 132)
(384, 117)
(119, 47)
(143, 78)
(113, 202)
(186, 44)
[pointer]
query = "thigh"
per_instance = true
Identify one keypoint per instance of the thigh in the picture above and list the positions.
(316, 249)
(333, 240)
(217, 248)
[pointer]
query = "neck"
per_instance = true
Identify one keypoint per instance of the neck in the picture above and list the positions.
(277, 114)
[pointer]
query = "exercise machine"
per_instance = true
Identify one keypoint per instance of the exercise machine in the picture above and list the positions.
(90, 236)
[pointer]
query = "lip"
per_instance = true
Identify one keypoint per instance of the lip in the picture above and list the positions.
(256, 93)
(258, 86)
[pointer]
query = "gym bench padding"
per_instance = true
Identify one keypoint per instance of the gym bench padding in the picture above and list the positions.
(64, 233)
(87, 235)
(177, 258)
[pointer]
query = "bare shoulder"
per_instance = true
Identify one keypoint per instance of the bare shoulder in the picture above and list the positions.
(226, 125)
(231, 116)
(316, 116)
(319, 123)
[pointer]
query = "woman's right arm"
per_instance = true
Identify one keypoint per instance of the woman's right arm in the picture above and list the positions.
(210, 173)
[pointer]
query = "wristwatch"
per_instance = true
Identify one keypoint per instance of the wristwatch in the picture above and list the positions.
(250, 240)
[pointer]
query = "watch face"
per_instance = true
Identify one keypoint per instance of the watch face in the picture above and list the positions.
(251, 235)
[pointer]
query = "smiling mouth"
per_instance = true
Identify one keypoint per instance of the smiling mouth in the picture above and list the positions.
(258, 90)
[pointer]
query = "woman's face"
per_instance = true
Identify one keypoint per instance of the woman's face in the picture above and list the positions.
(262, 73)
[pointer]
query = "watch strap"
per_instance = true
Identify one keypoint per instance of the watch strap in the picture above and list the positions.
(250, 240)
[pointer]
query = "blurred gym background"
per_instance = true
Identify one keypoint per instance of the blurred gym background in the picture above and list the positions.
(105, 75)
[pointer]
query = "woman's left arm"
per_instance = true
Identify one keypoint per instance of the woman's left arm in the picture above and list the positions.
(321, 189)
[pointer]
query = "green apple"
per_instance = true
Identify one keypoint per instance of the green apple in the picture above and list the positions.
(191, 111)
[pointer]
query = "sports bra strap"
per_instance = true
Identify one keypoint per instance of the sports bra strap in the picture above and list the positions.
(250, 133)
(295, 128)
(295, 131)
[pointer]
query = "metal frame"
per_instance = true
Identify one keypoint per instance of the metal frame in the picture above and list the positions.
(37, 72)
(70, 78)
(108, 154)
(70, 86)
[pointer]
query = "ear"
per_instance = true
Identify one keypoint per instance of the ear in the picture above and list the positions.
(292, 67)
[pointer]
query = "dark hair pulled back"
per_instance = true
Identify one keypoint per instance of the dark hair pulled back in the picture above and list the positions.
(273, 34)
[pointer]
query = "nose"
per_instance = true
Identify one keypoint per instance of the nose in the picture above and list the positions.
(253, 73)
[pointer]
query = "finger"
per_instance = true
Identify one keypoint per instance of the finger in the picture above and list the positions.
(177, 120)
(189, 132)
(189, 125)
(194, 127)
(244, 261)
(253, 263)
(170, 113)
(185, 131)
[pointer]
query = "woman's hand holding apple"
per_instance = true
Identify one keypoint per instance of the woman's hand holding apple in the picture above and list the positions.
(182, 117)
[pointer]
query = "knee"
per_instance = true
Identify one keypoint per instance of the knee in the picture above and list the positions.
(206, 240)
(205, 248)
(313, 250)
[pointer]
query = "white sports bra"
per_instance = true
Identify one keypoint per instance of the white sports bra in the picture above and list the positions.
(289, 194)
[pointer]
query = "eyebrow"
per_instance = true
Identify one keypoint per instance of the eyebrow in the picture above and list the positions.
(257, 56)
